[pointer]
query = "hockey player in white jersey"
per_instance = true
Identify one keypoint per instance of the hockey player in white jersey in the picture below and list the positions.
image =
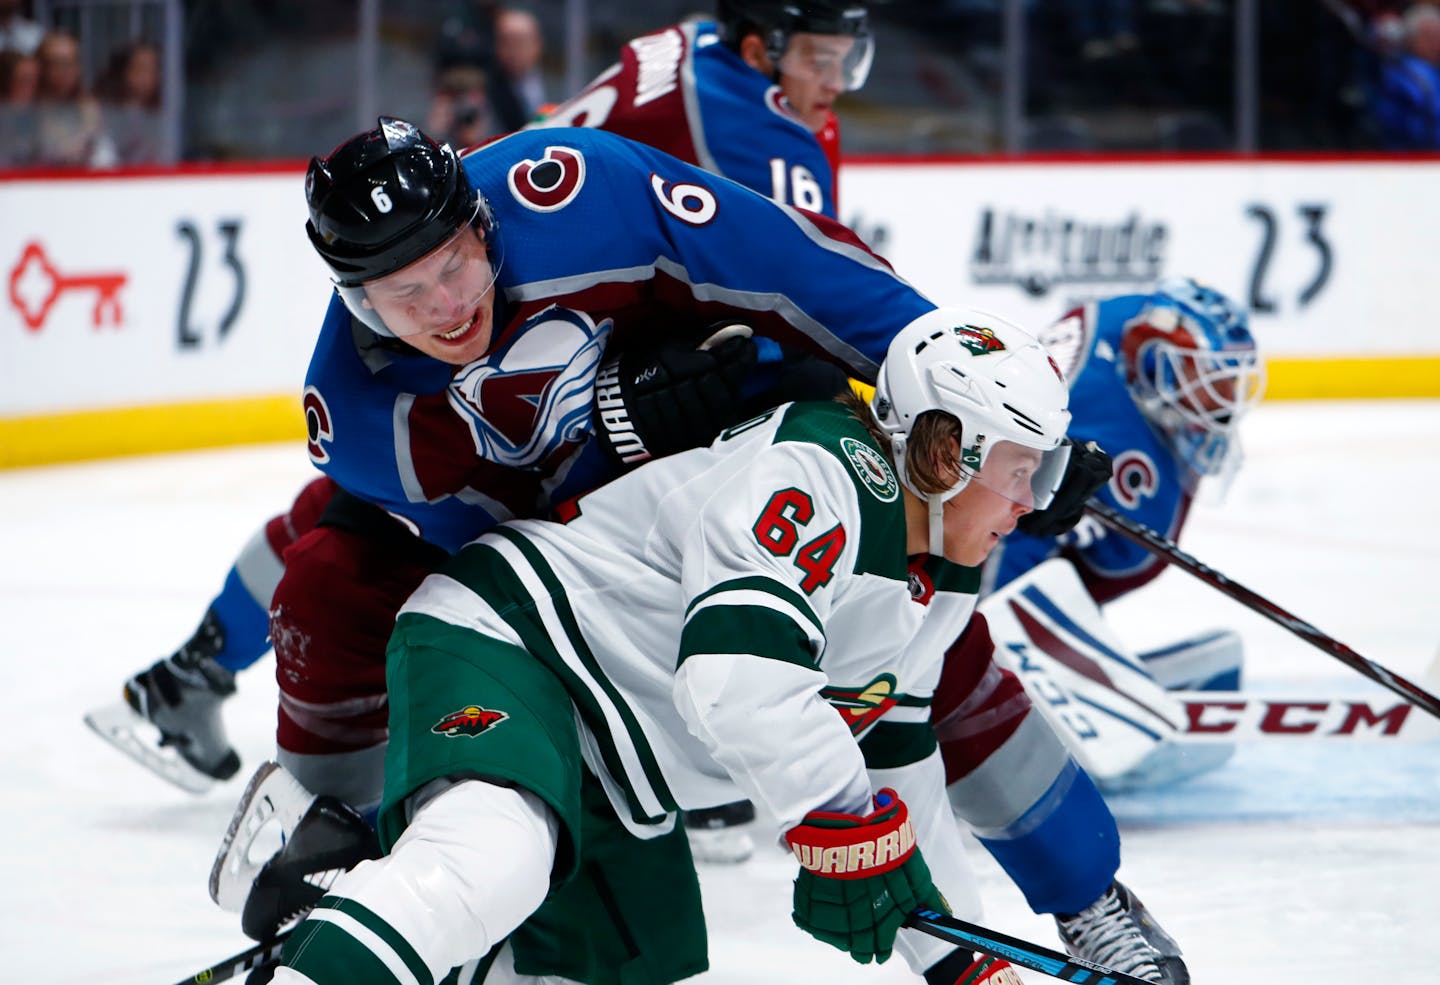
(764, 618)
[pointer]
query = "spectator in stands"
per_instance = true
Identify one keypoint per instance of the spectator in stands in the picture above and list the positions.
(19, 74)
(1406, 102)
(70, 128)
(130, 93)
(519, 46)
(468, 37)
(460, 112)
(18, 32)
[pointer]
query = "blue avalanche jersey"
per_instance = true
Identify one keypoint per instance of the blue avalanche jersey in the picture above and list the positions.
(681, 90)
(1149, 484)
(597, 240)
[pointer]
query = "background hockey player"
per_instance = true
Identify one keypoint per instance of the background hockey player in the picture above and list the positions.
(1161, 380)
(749, 96)
(738, 619)
(733, 108)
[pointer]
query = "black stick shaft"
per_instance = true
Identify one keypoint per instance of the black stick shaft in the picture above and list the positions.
(1020, 953)
(247, 959)
(1167, 551)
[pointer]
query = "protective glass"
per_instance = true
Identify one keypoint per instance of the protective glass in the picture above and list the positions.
(1024, 475)
(1199, 397)
(436, 292)
(840, 61)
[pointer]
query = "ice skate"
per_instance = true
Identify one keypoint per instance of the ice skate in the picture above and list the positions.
(169, 721)
(284, 848)
(1116, 930)
(720, 835)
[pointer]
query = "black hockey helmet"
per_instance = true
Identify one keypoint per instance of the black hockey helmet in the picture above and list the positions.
(739, 17)
(776, 21)
(384, 199)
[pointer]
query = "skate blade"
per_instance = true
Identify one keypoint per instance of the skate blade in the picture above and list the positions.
(272, 795)
(119, 725)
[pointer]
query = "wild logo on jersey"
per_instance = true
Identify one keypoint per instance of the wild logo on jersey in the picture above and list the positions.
(469, 721)
(874, 472)
(863, 707)
(520, 403)
(980, 340)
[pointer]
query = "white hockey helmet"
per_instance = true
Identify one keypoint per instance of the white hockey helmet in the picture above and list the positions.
(992, 376)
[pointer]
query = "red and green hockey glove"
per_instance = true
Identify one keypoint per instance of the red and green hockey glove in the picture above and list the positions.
(860, 877)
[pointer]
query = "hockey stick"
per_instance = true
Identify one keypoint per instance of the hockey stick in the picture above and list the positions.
(1065, 967)
(251, 957)
(1167, 551)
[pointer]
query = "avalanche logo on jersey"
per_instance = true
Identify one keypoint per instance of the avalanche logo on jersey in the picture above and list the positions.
(775, 102)
(469, 721)
(874, 472)
(1135, 480)
(982, 340)
(550, 183)
(864, 707)
(318, 429)
(520, 403)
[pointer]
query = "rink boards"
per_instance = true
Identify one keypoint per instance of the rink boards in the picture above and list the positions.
(165, 309)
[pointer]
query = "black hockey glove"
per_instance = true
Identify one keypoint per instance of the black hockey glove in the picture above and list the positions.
(654, 401)
(1087, 471)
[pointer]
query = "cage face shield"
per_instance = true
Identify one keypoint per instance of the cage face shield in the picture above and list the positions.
(839, 61)
(1197, 394)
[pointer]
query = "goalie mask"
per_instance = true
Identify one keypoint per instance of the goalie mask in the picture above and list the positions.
(1193, 370)
(389, 197)
(1002, 387)
(836, 44)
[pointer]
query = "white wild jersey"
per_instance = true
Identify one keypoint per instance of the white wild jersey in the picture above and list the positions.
(731, 620)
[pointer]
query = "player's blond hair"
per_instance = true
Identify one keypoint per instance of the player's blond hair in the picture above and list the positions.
(930, 459)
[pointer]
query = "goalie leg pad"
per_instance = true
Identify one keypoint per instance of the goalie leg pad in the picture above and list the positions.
(1208, 662)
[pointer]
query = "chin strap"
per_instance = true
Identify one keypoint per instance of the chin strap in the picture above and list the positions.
(936, 505)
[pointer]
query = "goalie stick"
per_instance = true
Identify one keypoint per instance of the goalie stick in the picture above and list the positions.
(1065, 967)
(1167, 551)
(246, 960)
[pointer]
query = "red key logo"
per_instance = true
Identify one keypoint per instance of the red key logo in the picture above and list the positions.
(35, 286)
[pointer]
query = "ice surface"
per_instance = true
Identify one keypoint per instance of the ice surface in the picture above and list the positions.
(1304, 863)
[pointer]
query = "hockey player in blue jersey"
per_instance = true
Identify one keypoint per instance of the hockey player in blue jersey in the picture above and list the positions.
(748, 96)
(1162, 380)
